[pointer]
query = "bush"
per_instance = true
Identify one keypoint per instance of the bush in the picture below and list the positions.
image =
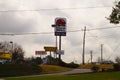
(7, 70)
(69, 65)
(95, 68)
(116, 67)
(72, 65)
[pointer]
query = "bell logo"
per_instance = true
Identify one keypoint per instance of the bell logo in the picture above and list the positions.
(60, 22)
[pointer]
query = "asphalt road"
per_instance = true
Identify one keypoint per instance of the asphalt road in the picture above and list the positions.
(74, 71)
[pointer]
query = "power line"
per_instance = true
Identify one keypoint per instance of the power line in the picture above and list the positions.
(13, 34)
(53, 9)
(117, 46)
(102, 28)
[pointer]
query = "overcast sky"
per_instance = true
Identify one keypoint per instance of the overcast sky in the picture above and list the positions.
(37, 16)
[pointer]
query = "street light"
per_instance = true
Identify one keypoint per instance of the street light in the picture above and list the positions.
(11, 42)
(12, 47)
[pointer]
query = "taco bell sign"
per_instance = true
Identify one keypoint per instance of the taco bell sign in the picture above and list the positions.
(60, 27)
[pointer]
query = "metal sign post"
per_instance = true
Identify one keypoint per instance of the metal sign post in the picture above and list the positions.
(60, 30)
(50, 49)
(59, 47)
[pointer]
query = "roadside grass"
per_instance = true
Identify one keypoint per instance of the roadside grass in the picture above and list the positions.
(101, 66)
(92, 76)
(52, 69)
(107, 66)
(86, 66)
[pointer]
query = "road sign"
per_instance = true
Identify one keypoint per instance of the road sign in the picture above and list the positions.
(40, 53)
(60, 27)
(49, 48)
(60, 51)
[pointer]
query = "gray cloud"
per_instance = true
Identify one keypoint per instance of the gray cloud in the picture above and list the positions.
(41, 21)
(10, 23)
(45, 40)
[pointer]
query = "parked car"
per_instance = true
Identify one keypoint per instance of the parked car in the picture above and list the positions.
(1, 62)
(107, 62)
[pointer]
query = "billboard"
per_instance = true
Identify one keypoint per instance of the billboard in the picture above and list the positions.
(5, 56)
(60, 27)
(49, 48)
(40, 53)
(60, 52)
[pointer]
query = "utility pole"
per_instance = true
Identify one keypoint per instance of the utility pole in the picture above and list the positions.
(101, 53)
(83, 55)
(91, 55)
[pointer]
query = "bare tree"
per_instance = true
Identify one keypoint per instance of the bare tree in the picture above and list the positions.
(5, 47)
(117, 59)
(18, 53)
(12, 48)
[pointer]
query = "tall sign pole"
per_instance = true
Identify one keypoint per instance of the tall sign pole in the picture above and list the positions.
(56, 44)
(60, 30)
(59, 47)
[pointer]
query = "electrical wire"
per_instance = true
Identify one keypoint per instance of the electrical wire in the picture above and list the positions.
(13, 34)
(102, 28)
(53, 9)
(117, 46)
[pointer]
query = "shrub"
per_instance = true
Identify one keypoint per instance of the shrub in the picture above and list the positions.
(72, 65)
(95, 68)
(7, 70)
(69, 65)
(116, 67)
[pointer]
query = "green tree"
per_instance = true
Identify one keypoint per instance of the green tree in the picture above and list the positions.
(115, 15)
